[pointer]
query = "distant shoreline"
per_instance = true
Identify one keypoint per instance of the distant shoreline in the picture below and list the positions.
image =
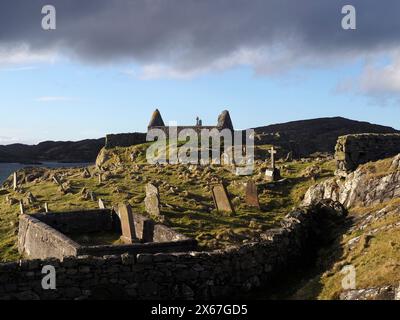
(7, 168)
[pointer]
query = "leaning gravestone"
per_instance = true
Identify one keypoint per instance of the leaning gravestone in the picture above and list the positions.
(127, 224)
(289, 157)
(21, 207)
(221, 198)
(152, 200)
(101, 204)
(57, 180)
(86, 173)
(252, 194)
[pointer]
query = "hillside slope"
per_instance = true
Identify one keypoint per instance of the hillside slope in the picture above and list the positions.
(370, 243)
(62, 151)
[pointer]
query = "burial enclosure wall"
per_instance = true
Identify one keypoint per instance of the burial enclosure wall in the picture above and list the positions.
(355, 149)
(45, 235)
(203, 275)
(124, 139)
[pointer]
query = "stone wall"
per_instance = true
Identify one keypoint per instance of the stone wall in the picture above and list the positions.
(45, 235)
(82, 221)
(355, 149)
(124, 139)
(200, 275)
(39, 240)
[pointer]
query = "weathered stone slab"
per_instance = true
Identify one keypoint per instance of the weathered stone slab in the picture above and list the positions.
(221, 198)
(86, 173)
(272, 175)
(252, 194)
(127, 224)
(101, 204)
(152, 200)
(15, 181)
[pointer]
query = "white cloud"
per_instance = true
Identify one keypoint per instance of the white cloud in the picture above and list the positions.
(22, 54)
(8, 140)
(378, 81)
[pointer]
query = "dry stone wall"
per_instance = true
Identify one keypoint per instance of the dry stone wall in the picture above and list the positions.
(124, 139)
(188, 275)
(45, 235)
(355, 149)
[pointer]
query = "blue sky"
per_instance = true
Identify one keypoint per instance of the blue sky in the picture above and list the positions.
(72, 101)
(110, 63)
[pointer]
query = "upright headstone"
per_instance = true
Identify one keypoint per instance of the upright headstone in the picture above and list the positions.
(92, 196)
(252, 194)
(127, 224)
(101, 204)
(221, 198)
(272, 151)
(147, 231)
(21, 207)
(272, 174)
(152, 200)
(15, 181)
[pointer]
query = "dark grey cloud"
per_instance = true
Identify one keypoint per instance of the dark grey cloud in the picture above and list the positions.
(195, 34)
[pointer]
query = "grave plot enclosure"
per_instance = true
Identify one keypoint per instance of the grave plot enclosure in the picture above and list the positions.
(45, 235)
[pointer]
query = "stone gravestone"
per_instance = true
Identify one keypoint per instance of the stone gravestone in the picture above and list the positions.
(127, 224)
(101, 204)
(21, 207)
(57, 180)
(152, 200)
(86, 173)
(221, 198)
(272, 174)
(252, 194)
(289, 157)
(15, 181)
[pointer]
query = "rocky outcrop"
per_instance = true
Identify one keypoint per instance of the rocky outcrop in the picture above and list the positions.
(378, 293)
(360, 188)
